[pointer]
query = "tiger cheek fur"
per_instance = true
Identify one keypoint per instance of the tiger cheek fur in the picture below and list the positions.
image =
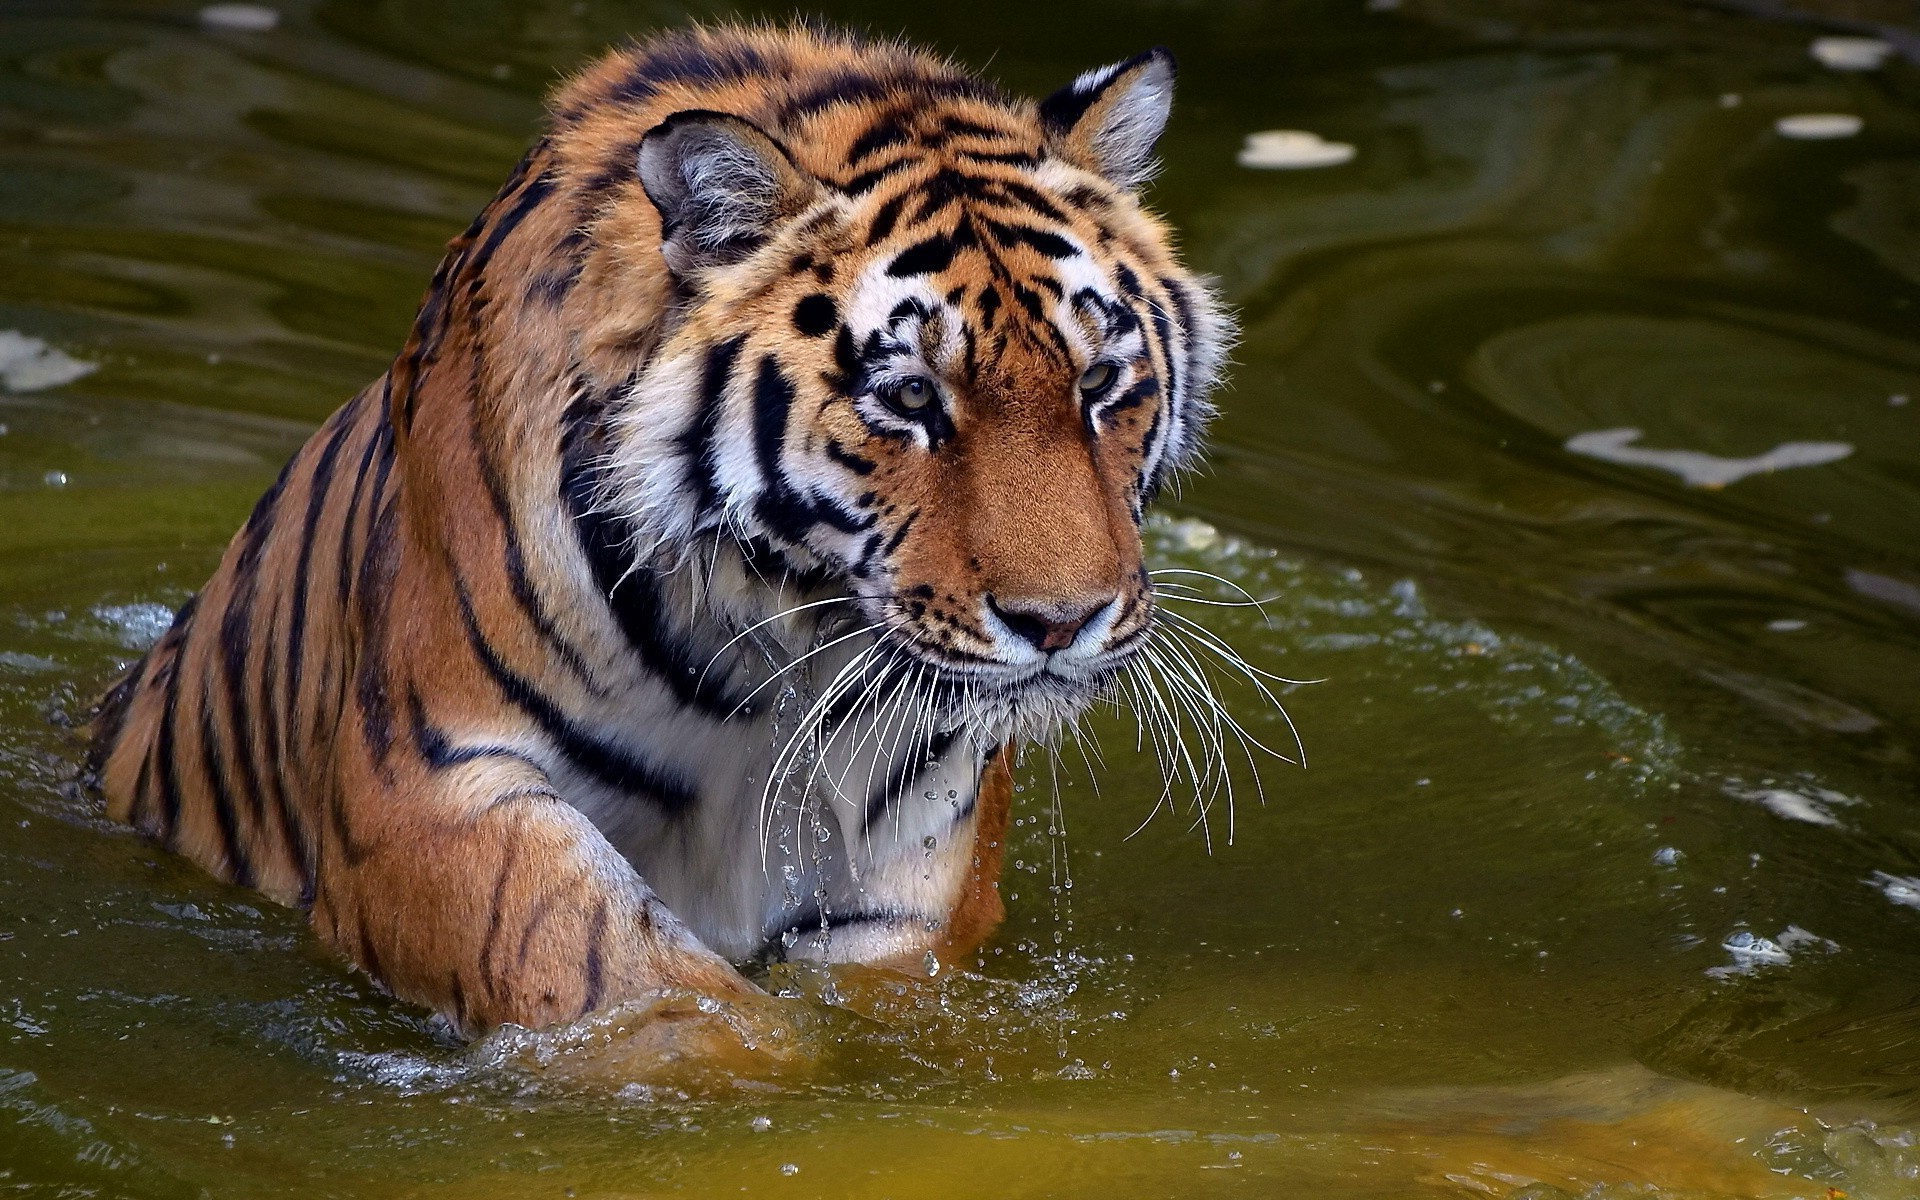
(766, 461)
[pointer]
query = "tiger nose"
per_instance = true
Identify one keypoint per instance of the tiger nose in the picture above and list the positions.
(1047, 626)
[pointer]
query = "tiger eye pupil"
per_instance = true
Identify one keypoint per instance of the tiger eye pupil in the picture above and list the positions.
(1098, 378)
(913, 394)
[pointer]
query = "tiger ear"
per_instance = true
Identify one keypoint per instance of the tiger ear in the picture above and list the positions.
(720, 184)
(1108, 119)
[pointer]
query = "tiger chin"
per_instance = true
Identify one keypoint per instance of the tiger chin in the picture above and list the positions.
(765, 463)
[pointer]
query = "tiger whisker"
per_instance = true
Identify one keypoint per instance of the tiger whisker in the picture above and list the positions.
(775, 677)
(809, 721)
(786, 612)
(1175, 634)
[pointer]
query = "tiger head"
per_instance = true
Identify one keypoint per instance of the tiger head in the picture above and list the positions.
(930, 349)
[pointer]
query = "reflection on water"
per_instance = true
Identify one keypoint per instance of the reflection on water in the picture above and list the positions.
(1602, 881)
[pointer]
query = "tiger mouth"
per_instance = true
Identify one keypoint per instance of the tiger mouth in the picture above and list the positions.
(1003, 700)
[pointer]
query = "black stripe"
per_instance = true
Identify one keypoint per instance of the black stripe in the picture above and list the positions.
(864, 182)
(1183, 309)
(952, 126)
(923, 257)
(772, 403)
(378, 563)
(682, 60)
(440, 753)
(1051, 245)
(787, 513)
(858, 464)
(236, 639)
(1163, 329)
(515, 560)
(1022, 196)
(530, 198)
(370, 958)
(239, 866)
(137, 811)
(496, 917)
(634, 594)
(317, 489)
(1015, 158)
(698, 440)
(163, 749)
(614, 766)
(888, 131)
(535, 917)
(900, 534)
(858, 87)
(379, 434)
(594, 969)
(293, 825)
(1142, 390)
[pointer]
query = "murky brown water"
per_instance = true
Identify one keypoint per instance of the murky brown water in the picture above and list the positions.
(1605, 874)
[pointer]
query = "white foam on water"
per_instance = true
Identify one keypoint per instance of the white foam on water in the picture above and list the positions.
(241, 18)
(135, 626)
(1291, 150)
(1851, 53)
(1696, 468)
(1818, 127)
(409, 1074)
(1805, 802)
(28, 364)
(1901, 889)
(1752, 953)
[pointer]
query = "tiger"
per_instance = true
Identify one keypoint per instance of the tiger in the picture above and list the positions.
(765, 465)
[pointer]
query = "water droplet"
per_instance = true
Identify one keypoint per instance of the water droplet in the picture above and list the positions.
(762, 1124)
(789, 1168)
(929, 841)
(932, 964)
(54, 479)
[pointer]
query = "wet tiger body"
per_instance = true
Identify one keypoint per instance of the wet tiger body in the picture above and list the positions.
(766, 460)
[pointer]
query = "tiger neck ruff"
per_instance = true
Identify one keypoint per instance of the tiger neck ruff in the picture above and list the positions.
(766, 461)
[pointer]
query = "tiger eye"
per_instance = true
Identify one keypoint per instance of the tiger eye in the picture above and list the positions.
(912, 396)
(1098, 378)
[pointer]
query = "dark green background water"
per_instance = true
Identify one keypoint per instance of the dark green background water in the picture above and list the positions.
(1583, 724)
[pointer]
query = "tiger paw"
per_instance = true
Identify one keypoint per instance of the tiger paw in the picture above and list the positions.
(674, 1041)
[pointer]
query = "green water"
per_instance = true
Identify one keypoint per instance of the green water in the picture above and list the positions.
(1583, 726)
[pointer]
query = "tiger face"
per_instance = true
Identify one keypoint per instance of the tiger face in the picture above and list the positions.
(939, 358)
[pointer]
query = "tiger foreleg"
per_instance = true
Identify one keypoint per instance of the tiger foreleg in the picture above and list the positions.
(486, 897)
